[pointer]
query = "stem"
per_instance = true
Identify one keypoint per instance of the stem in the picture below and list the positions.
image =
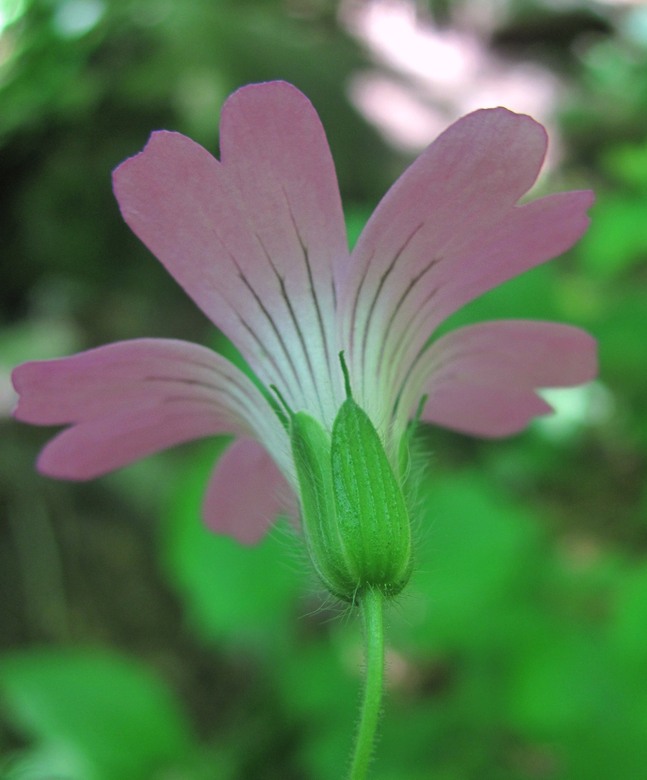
(371, 606)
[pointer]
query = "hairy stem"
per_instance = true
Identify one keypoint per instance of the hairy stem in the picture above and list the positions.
(371, 605)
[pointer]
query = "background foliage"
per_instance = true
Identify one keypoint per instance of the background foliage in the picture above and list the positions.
(136, 646)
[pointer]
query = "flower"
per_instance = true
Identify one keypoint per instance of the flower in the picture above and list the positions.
(258, 241)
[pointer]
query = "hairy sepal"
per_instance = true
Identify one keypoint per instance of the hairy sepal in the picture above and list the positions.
(355, 519)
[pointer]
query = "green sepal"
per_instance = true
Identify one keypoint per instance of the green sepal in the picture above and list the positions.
(354, 515)
(371, 511)
(311, 453)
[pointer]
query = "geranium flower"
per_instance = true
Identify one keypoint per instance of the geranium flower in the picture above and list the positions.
(258, 241)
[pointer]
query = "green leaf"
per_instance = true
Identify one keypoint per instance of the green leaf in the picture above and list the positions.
(628, 164)
(617, 239)
(108, 715)
(231, 592)
(470, 565)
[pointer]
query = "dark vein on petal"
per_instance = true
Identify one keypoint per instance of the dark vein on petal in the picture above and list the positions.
(424, 350)
(404, 332)
(294, 318)
(408, 330)
(189, 399)
(408, 289)
(223, 394)
(313, 291)
(270, 319)
(407, 377)
(358, 294)
(182, 380)
(379, 289)
(266, 352)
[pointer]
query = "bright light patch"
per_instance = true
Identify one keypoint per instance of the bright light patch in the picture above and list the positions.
(74, 18)
(634, 25)
(406, 121)
(10, 11)
(575, 408)
(438, 74)
(418, 50)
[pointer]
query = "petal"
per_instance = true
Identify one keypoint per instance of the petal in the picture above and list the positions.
(96, 447)
(527, 236)
(246, 492)
(446, 232)
(252, 239)
(113, 378)
(133, 398)
(482, 379)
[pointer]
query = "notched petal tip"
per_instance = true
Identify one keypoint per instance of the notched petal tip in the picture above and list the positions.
(25, 378)
(161, 147)
(166, 141)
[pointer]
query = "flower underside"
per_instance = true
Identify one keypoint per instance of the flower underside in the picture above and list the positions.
(257, 240)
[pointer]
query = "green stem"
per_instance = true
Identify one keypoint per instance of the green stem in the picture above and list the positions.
(371, 606)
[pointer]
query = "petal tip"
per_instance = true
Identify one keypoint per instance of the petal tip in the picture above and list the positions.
(266, 87)
(156, 144)
(53, 467)
(19, 383)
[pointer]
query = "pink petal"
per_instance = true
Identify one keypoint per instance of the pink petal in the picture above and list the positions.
(527, 236)
(96, 447)
(252, 239)
(482, 378)
(108, 379)
(246, 492)
(447, 231)
(133, 398)
(482, 410)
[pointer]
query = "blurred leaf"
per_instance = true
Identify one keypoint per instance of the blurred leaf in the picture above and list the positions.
(474, 557)
(628, 629)
(617, 238)
(232, 593)
(323, 696)
(628, 164)
(356, 218)
(36, 340)
(107, 715)
(622, 340)
(46, 761)
(562, 678)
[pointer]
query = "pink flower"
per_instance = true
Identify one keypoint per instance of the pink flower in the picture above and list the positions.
(258, 242)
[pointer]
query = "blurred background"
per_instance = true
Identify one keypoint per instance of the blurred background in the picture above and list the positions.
(136, 646)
